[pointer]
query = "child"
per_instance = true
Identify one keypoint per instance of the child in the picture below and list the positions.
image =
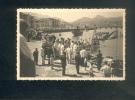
(107, 70)
(89, 64)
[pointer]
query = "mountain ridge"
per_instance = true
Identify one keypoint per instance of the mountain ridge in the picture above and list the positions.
(99, 21)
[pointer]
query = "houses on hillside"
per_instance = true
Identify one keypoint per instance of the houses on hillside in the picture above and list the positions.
(43, 23)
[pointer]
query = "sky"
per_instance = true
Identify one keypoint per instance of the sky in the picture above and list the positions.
(71, 15)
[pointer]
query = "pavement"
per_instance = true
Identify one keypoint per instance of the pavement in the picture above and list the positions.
(56, 71)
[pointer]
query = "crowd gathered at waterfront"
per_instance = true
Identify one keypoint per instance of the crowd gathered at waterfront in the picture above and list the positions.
(81, 53)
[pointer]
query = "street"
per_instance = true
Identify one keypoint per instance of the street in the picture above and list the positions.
(56, 71)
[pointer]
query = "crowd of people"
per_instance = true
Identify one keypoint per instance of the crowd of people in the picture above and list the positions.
(78, 53)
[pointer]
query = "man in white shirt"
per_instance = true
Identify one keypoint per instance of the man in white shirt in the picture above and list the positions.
(74, 50)
(59, 46)
(55, 45)
(43, 56)
(68, 54)
(61, 49)
(71, 46)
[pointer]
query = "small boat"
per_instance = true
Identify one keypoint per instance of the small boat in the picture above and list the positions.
(77, 32)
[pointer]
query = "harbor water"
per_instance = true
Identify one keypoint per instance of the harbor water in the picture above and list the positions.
(111, 47)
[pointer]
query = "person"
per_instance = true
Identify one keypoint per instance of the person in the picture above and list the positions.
(43, 56)
(74, 50)
(44, 43)
(71, 45)
(55, 46)
(51, 61)
(85, 62)
(90, 65)
(65, 43)
(63, 63)
(42, 37)
(29, 36)
(61, 49)
(99, 59)
(35, 55)
(68, 54)
(77, 61)
(49, 53)
(107, 70)
(83, 56)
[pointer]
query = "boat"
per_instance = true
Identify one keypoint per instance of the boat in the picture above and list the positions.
(77, 32)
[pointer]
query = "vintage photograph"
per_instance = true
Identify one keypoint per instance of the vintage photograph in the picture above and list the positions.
(71, 44)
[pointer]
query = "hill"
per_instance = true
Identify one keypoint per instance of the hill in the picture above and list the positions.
(99, 21)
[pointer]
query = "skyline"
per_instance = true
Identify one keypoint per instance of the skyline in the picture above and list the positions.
(71, 15)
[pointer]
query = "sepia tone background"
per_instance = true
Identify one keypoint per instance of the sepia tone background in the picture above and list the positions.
(59, 90)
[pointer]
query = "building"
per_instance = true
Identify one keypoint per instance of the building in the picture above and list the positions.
(46, 24)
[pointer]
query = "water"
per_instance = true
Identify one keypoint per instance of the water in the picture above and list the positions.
(65, 35)
(86, 34)
(113, 47)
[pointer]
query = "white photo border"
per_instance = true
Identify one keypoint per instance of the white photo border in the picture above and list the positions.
(63, 78)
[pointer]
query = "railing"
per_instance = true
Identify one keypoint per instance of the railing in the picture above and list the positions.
(63, 29)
